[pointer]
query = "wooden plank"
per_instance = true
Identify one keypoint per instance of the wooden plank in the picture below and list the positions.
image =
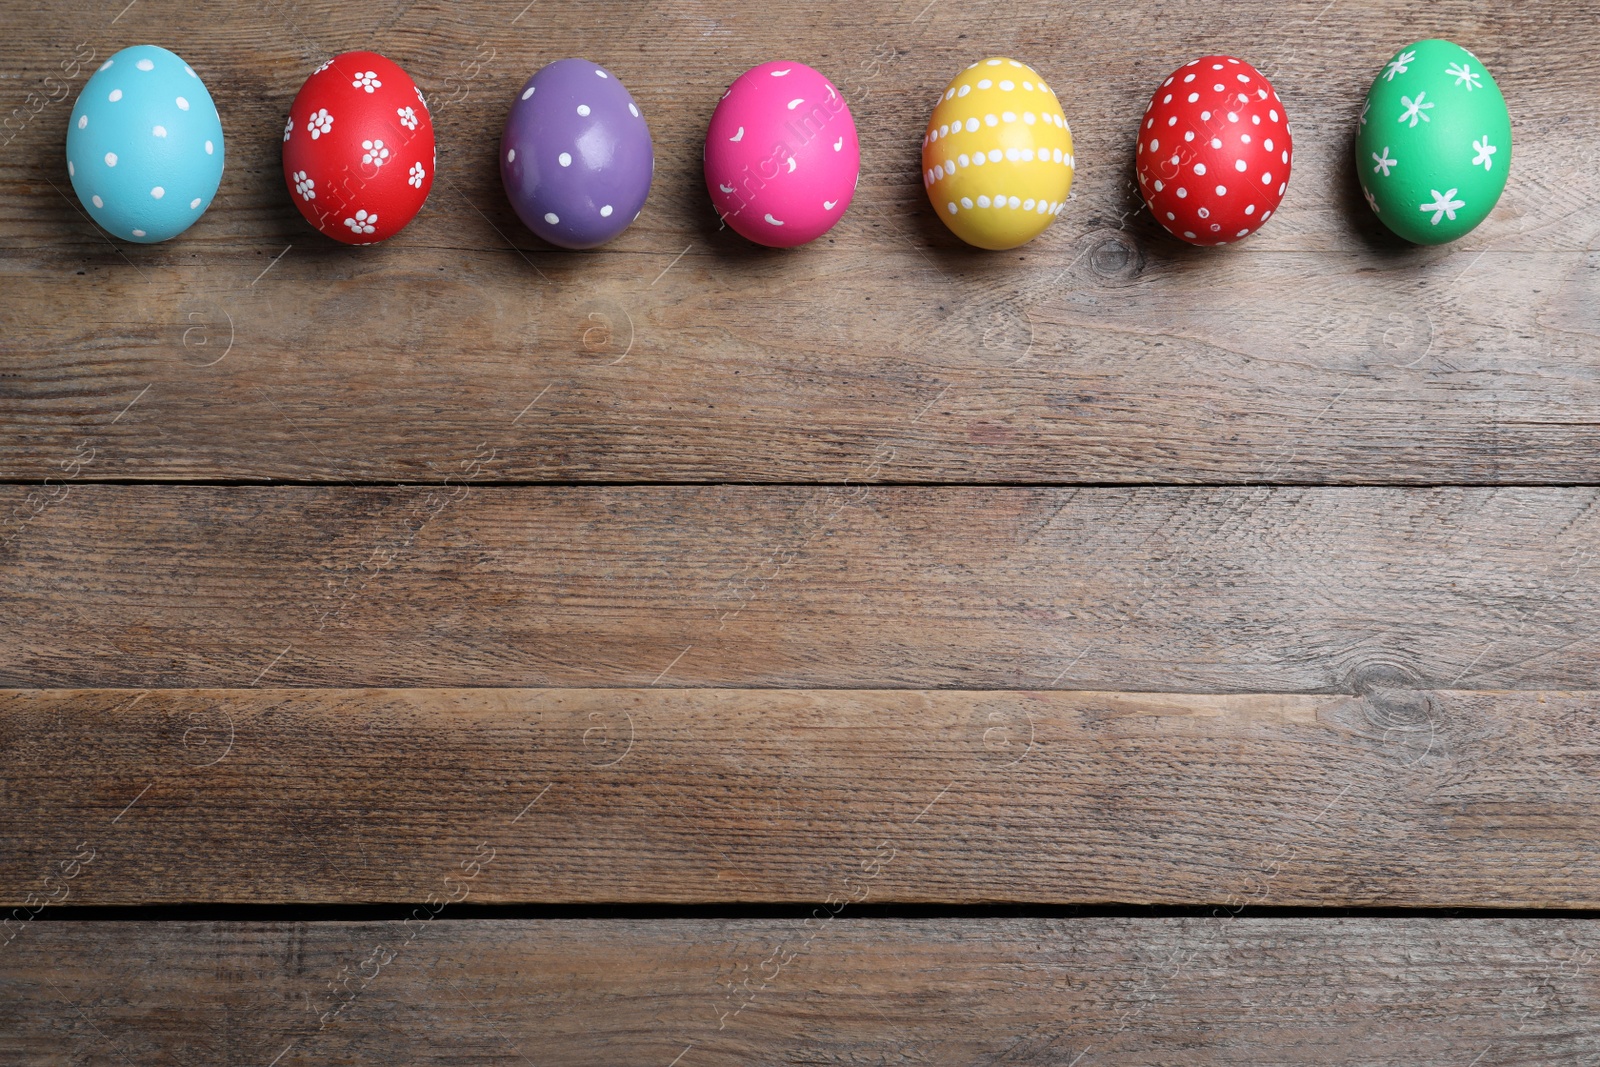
(1320, 351)
(1397, 797)
(1250, 589)
(1091, 992)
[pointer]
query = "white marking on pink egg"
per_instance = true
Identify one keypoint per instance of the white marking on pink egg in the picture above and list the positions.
(796, 102)
(738, 136)
(775, 222)
(780, 73)
(827, 205)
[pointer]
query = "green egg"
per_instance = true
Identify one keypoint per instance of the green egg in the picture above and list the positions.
(1434, 145)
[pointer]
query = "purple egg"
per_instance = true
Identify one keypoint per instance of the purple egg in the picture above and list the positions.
(576, 157)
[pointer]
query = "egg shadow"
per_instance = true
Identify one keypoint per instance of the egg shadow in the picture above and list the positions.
(1361, 221)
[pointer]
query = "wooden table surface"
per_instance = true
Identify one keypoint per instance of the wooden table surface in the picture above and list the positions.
(684, 653)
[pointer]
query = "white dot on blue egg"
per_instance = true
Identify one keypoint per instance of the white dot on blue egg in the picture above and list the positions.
(116, 94)
(111, 159)
(83, 120)
(183, 105)
(71, 170)
(194, 203)
(145, 64)
(138, 233)
(209, 148)
(189, 71)
(158, 192)
(158, 131)
(97, 201)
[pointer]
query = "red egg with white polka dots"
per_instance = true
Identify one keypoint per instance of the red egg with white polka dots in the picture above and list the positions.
(358, 149)
(1214, 151)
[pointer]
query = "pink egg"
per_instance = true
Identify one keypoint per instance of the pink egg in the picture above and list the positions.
(782, 158)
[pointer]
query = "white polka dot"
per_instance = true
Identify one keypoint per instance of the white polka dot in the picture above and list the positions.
(1244, 79)
(1245, 137)
(952, 207)
(1199, 168)
(1216, 66)
(145, 64)
(1267, 144)
(985, 83)
(1204, 213)
(565, 159)
(194, 203)
(116, 94)
(1173, 121)
(551, 217)
(994, 155)
(966, 201)
(1285, 155)
(1240, 165)
(1007, 86)
(1167, 99)
(944, 131)
(1216, 142)
(1012, 155)
(158, 131)
(189, 71)
(183, 105)
(966, 160)
(602, 73)
(1028, 86)
(1251, 210)
(71, 170)
(1272, 114)
(1187, 78)
(983, 201)
(1265, 215)
(83, 120)
(1009, 116)
(1027, 155)
(97, 201)
(1205, 116)
(1217, 87)
(1057, 155)
(964, 90)
(1159, 185)
(991, 120)
(1171, 216)
(605, 212)
(1149, 123)
(1222, 190)
(972, 125)
(1242, 233)
(1281, 187)
(632, 110)
(993, 63)
(1188, 135)
(1015, 202)
(1155, 144)
(111, 159)
(210, 148)
(138, 233)
(1266, 179)
(980, 159)
(583, 110)
(1189, 234)
(158, 192)
(1182, 193)
(1027, 117)
(106, 65)
(1193, 97)
(1027, 205)
(511, 155)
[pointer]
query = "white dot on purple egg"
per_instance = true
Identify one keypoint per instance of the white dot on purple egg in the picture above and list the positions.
(565, 159)
(605, 212)
(551, 217)
(633, 111)
(602, 73)
(527, 92)
(583, 110)
(511, 156)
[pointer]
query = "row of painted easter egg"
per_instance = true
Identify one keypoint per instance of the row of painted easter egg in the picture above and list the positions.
(1213, 152)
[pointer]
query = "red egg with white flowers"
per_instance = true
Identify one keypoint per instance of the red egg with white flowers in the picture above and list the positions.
(358, 149)
(1214, 151)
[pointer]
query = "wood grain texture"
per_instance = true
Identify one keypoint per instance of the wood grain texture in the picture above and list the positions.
(1319, 351)
(1208, 991)
(1247, 589)
(1395, 797)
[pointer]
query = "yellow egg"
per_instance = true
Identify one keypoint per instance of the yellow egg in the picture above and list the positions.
(997, 157)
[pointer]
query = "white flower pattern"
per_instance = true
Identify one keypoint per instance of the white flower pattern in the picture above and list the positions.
(421, 101)
(288, 128)
(1443, 204)
(319, 123)
(1372, 201)
(408, 117)
(374, 154)
(324, 67)
(363, 222)
(1364, 109)
(416, 176)
(1464, 75)
(1415, 109)
(306, 187)
(1485, 156)
(1384, 162)
(1398, 65)
(367, 80)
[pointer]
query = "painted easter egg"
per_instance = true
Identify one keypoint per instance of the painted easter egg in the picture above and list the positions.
(781, 155)
(144, 145)
(358, 151)
(1433, 144)
(997, 156)
(576, 158)
(1214, 151)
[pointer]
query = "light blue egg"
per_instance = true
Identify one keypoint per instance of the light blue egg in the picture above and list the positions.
(144, 145)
